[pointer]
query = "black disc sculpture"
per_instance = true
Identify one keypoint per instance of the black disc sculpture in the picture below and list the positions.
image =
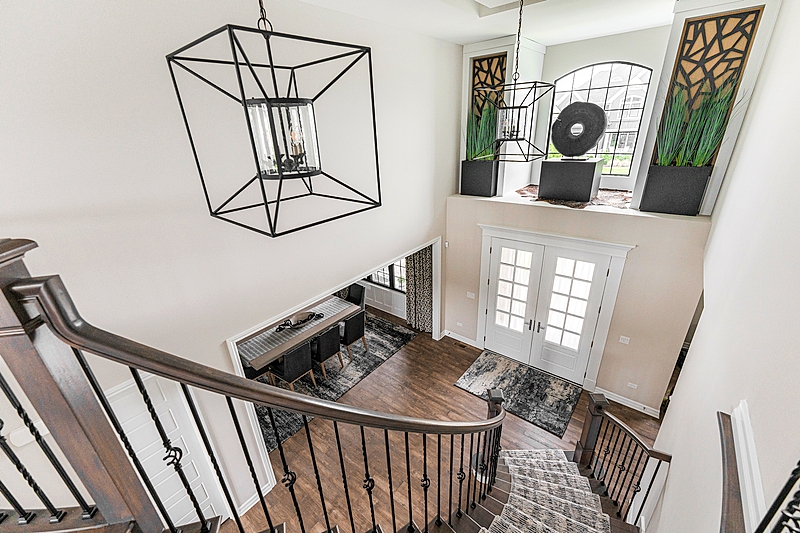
(578, 128)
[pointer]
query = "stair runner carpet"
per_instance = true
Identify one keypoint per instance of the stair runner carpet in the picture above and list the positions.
(548, 495)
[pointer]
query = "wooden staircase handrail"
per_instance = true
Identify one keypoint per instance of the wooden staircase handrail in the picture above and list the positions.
(651, 452)
(58, 311)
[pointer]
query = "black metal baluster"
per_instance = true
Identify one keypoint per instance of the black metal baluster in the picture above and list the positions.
(598, 447)
(101, 397)
(24, 516)
(469, 471)
(425, 482)
(476, 458)
(637, 486)
(369, 483)
(613, 478)
(389, 474)
(496, 457)
(289, 478)
(632, 484)
(88, 511)
(484, 465)
(174, 453)
(460, 476)
(344, 476)
(608, 454)
(316, 474)
(212, 457)
(647, 494)
(55, 514)
(438, 479)
(450, 486)
(410, 527)
(624, 470)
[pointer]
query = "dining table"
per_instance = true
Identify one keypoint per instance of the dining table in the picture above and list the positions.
(272, 342)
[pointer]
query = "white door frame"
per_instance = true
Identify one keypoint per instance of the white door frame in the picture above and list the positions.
(618, 253)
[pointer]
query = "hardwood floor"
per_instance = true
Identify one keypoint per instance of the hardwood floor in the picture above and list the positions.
(416, 381)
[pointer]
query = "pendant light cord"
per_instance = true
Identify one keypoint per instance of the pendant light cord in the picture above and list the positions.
(265, 21)
(515, 77)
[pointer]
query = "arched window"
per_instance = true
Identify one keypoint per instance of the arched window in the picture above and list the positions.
(618, 87)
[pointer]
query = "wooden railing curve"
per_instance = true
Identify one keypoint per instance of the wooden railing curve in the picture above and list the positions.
(58, 311)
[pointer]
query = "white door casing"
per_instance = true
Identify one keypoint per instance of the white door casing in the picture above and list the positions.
(570, 294)
(617, 253)
(515, 269)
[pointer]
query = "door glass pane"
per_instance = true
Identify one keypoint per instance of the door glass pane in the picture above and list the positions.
(581, 289)
(504, 288)
(553, 335)
(577, 307)
(562, 285)
(517, 323)
(507, 272)
(518, 308)
(507, 255)
(558, 302)
(555, 319)
(503, 304)
(521, 292)
(522, 276)
(565, 266)
(584, 270)
(524, 259)
(501, 319)
(574, 324)
(571, 340)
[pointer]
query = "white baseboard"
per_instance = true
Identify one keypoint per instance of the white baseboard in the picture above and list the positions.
(627, 402)
(460, 338)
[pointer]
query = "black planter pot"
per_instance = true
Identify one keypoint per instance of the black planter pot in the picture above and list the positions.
(570, 179)
(675, 190)
(479, 178)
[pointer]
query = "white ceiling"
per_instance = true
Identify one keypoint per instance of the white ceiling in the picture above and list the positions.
(548, 22)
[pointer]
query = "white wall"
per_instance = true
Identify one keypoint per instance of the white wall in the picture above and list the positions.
(745, 345)
(645, 47)
(96, 167)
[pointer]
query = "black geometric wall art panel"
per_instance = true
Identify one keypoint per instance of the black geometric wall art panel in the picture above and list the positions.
(282, 127)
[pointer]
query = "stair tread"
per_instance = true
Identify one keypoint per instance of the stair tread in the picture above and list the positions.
(589, 517)
(565, 480)
(444, 527)
(542, 464)
(528, 518)
(464, 523)
(501, 525)
(575, 496)
(555, 455)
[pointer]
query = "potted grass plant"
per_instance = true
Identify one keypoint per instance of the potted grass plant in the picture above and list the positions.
(480, 168)
(687, 140)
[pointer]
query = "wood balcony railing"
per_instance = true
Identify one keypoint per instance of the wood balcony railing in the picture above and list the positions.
(43, 339)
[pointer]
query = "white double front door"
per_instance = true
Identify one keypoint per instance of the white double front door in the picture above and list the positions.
(543, 304)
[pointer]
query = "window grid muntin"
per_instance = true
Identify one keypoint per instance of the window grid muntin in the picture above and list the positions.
(610, 138)
(512, 285)
(564, 322)
(391, 276)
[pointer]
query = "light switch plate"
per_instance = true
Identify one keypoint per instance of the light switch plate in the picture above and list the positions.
(459, 324)
(471, 295)
(624, 340)
(633, 385)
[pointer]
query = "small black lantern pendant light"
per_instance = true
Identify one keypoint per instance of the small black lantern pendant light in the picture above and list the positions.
(516, 104)
(282, 85)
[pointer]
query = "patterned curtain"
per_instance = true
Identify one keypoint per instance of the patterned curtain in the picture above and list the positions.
(419, 290)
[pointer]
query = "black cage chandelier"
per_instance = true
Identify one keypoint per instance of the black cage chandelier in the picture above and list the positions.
(516, 104)
(293, 116)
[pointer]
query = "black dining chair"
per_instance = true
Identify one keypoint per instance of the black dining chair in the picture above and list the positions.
(354, 330)
(355, 295)
(293, 366)
(326, 345)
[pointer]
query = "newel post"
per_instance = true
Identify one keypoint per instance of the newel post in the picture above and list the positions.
(584, 448)
(496, 400)
(54, 382)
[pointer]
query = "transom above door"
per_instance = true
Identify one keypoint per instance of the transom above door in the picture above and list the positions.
(548, 303)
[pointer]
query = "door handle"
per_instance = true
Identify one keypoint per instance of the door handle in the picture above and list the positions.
(539, 327)
(530, 324)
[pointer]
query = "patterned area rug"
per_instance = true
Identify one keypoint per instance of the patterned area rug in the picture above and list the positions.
(542, 399)
(384, 340)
